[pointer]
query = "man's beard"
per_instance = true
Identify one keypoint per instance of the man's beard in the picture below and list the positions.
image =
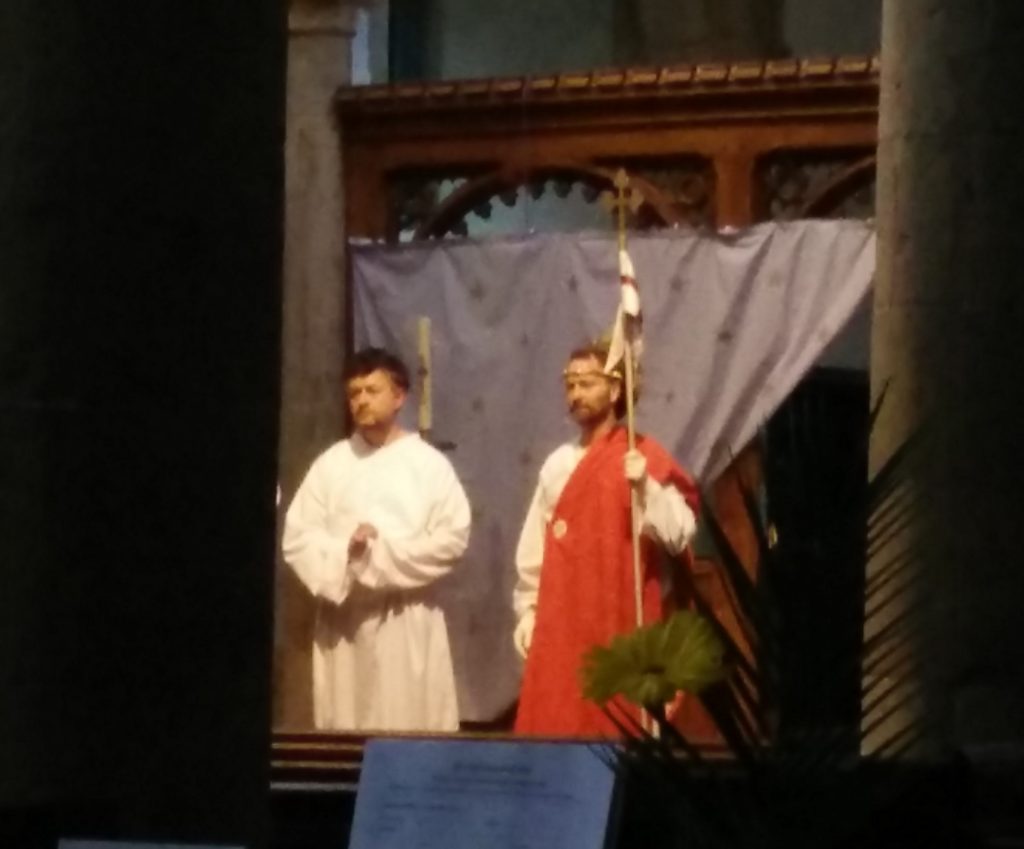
(584, 415)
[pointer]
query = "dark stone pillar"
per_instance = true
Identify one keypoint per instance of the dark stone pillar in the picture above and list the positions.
(312, 396)
(140, 257)
(949, 343)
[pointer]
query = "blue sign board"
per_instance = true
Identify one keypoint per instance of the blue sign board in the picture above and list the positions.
(469, 794)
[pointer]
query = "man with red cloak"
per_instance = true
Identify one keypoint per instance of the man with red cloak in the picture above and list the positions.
(575, 556)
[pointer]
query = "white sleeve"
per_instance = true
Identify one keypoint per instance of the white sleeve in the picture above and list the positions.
(316, 554)
(530, 555)
(668, 519)
(420, 559)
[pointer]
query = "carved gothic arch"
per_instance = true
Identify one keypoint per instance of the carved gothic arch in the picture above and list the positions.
(477, 190)
(830, 197)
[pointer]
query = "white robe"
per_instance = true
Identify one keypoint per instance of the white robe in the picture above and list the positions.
(381, 659)
(666, 518)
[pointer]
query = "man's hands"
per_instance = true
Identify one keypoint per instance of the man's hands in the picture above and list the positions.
(523, 635)
(360, 540)
(635, 466)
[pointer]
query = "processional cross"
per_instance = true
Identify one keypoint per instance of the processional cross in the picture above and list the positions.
(626, 198)
(620, 199)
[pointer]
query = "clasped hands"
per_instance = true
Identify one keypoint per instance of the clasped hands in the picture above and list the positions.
(360, 540)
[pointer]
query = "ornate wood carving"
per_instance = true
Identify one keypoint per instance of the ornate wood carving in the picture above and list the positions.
(816, 183)
(697, 134)
(477, 196)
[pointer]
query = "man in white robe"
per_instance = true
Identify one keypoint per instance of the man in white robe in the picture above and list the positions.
(377, 521)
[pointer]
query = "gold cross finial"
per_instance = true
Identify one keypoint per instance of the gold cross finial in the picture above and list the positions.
(623, 198)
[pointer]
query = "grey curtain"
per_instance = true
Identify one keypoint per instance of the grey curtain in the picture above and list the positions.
(731, 324)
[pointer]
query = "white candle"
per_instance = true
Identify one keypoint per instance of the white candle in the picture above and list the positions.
(423, 349)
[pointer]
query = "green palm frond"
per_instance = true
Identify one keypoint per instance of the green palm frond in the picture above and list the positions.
(650, 665)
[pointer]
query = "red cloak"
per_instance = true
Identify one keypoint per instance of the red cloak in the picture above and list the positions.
(586, 594)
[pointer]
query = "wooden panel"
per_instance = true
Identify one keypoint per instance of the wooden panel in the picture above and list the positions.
(732, 115)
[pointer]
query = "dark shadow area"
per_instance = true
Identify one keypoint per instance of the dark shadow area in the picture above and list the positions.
(311, 820)
(810, 758)
(816, 484)
(42, 827)
(140, 321)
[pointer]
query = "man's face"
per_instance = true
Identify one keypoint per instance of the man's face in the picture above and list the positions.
(374, 400)
(589, 393)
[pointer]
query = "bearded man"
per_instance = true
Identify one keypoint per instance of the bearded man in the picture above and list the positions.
(574, 560)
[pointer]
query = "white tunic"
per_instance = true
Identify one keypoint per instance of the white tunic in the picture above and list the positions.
(666, 518)
(381, 659)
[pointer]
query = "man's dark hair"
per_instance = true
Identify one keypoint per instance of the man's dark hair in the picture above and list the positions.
(369, 360)
(598, 351)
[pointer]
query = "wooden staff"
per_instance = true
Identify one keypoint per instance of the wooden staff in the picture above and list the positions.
(622, 199)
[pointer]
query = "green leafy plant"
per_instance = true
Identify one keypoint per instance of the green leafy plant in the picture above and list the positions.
(649, 666)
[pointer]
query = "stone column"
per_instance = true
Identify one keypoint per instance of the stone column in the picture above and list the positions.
(948, 342)
(312, 406)
(140, 250)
